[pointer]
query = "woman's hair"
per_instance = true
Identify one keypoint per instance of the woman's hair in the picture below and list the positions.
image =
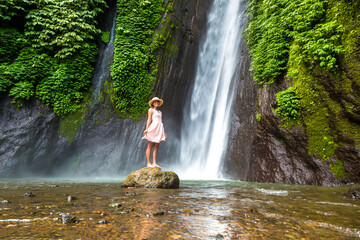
(152, 104)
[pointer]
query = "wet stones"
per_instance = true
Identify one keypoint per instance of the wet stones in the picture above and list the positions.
(67, 218)
(71, 198)
(4, 201)
(354, 192)
(217, 237)
(103, 222)
(29, 194)
(149, 177)
(159, 213)
(116, 205)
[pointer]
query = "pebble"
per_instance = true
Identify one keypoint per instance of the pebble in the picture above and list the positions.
(160, 213)
(115, 205)
(71, 198)
(29, 194)
(67, 218)
(217, 237)
(103, 222)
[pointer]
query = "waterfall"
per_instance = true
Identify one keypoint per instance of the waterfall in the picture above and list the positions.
(206, 117)
(102, 71)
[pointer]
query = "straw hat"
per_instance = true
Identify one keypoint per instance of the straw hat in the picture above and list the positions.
(156, 99)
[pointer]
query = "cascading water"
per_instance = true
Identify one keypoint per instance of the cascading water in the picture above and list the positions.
(102, 71)
(206, 118)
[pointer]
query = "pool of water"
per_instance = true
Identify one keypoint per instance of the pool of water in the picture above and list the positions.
(198, 210)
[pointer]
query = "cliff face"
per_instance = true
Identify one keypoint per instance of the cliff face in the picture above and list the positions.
(322, 147)
(263, 151)
(94, 141)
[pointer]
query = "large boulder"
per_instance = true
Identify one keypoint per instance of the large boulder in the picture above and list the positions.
(149, 177)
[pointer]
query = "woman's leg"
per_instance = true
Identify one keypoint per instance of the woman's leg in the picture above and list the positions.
(155, 153)
(148, 153)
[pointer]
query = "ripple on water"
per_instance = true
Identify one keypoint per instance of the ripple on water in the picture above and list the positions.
(273, 192)
(339, 204)
(353, 232)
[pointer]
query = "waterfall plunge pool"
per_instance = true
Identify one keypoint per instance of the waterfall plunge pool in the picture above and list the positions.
(198, 210)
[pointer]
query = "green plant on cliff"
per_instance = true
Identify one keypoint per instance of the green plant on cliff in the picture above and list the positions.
(64, 90)
(11, 42)
(275, 24)
(11, 8)
(105, 37)
(321, 54)
(63, 27)
(21, 91)
(288, 105)
(134, 64)
(338, 169)
(53, 59)
(258, 117)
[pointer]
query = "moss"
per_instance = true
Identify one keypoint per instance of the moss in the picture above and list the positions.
(338, 169)
(327, 96)
(70, 124)
(258, 117)
(105, 37)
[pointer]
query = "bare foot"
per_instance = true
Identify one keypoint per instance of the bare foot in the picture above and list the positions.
(157, 166)
(149, 165)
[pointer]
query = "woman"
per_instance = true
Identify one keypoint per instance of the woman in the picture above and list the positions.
(154, 132)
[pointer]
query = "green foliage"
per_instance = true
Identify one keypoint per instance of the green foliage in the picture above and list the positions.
(288, 105)
(338, 169)
(63, 27)
(318, 45)
(54, 56)
(64, 89)
(11, 41)
(21, 91)
(276, 24)
(134, 64)
(105, 37)
(30, 66)
(10, 8)
(5, 82)
(258, 117)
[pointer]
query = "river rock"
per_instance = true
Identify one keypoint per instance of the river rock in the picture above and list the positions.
(354, 192)
(67, 218)
(149, 177)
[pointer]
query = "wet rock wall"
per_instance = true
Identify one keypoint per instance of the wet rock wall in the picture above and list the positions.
(31, 142)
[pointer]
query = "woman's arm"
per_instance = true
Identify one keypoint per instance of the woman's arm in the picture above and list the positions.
(150, 113)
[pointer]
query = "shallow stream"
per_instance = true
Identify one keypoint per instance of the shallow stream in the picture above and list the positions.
(198, 210)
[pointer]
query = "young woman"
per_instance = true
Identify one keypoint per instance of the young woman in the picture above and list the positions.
(154, 132)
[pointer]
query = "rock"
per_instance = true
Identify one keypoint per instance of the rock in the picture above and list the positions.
(354, 192)
(217, 237)
(103, 222)
(116, 205)
(67, 218)
(159, 213)
(4, 201)
(71, 198)
(29, 194)
(149, 177)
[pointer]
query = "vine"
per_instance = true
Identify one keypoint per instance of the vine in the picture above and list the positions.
(134, 67)
(53, 59)
(288, 105)
(275, 25)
